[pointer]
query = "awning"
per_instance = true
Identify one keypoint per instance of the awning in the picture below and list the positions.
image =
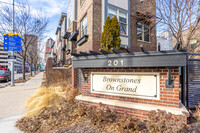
(131, 59)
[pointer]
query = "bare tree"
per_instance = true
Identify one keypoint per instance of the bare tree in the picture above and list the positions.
(32, 51)
(180, 17)
(27, 24)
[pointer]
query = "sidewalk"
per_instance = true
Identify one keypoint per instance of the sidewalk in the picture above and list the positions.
(12, 102)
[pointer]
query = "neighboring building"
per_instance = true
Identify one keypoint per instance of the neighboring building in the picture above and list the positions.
(194, 41)
(49, 43)
(62, 41)
(165, 41)
(6, 63)
(3, 57)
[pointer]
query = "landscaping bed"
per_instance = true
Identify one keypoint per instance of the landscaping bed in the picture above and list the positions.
(52, 110)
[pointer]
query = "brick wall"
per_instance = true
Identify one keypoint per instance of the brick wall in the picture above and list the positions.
(168, 96)
(55, 76)
(86, 9)
(93, 10)
(135, 44)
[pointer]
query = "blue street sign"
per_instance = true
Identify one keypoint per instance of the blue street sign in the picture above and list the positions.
(12, 48)
(12, 42)
(12, 57)
(13, 38)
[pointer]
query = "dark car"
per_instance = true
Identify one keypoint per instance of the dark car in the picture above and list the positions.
(19, 71)
(5, 75)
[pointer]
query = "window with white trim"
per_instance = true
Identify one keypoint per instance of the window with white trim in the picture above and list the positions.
(143, 32)
(84, 26)
(122, 18)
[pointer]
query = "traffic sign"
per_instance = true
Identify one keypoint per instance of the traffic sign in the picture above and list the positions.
(12, 57)
(12, 37)
(12, 42)
(12, 48)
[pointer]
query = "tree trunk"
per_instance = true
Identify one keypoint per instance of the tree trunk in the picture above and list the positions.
(35, 69)
(23, 67)
(31, 69)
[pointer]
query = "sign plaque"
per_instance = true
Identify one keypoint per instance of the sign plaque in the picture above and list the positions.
(138, 85)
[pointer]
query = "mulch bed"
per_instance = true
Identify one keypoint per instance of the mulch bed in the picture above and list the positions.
(77, 118)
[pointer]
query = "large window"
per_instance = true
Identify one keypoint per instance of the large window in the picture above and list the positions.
(143, 32)
(121, 16)
(84, 26)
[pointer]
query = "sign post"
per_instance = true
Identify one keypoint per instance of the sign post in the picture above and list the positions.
(12, 42)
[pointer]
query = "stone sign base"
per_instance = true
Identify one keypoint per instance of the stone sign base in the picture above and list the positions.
(137, 110)
(134, 91)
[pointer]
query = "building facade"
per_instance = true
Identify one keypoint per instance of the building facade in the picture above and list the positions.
(86, 18)
(164, 41)
(6, 63)
(4, 57)
(49, 44)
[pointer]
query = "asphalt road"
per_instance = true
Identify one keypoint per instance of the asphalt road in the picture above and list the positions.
(17, 76)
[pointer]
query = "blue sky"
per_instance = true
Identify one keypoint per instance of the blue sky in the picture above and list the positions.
(50, 8)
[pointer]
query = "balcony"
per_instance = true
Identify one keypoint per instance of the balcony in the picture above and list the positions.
(82, 40)
(74, 35)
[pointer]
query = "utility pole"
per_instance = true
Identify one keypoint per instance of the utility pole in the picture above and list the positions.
(12, 61)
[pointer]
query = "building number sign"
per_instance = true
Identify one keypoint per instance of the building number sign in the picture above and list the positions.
(114, 63)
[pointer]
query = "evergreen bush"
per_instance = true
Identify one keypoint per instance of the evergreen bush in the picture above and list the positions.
(110, 36)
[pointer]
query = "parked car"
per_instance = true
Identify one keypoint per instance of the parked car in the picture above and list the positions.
(19, 71)
(5, 75)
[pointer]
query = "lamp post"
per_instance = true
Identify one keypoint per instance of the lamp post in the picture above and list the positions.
(12, 52)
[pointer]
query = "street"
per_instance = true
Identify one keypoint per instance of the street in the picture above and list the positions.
(17, 76)
(13, 106)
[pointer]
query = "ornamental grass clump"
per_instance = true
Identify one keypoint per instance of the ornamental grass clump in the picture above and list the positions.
(48, 97)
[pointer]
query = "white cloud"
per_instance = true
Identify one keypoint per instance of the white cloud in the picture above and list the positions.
(49, 8)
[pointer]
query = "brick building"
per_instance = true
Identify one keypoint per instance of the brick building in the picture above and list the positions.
(91, 15)
(49, 43)
(84, 23)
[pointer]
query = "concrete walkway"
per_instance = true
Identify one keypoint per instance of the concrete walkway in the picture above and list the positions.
(12, 102)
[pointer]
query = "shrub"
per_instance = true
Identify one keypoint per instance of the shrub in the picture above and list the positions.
(161, 121)
(110, 36)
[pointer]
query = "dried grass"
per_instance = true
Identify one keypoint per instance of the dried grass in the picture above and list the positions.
(49, 97)
(196, 114)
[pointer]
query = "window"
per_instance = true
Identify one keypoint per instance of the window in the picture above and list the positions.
(123, 23)
(84, 26)
(112, 12)
(68, 44)
(193, 42)
(122, 18)
(143, 32)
